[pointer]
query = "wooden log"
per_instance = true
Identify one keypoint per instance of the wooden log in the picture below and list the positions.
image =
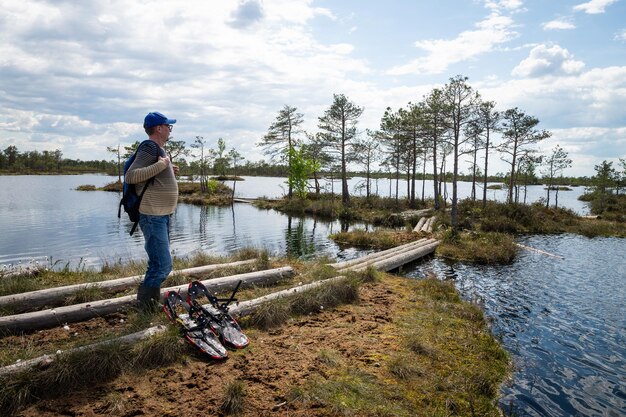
(55, 296)
(372, 260)
(539, 251)
(345, 264)
(410, 213)
(48, 359)
(419, 224)
(427, 223)
(78, 312)
(247, 307)
(398, 260)
(431, 223)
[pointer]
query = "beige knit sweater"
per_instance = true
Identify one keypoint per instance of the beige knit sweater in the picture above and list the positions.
(162, 195)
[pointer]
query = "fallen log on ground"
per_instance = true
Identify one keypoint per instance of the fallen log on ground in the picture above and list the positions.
(79, 312)
(48, 359)
(55, 296)
(419, 224)
(427, 224)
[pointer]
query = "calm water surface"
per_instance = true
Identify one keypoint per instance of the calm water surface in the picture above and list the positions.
(44, 216)
(563, 321)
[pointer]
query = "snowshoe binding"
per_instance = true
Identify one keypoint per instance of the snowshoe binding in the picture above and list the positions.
(194, 326)
(216, 313)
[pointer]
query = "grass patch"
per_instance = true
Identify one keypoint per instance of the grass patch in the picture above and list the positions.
(478, 247)
(379, 239)
(87, 187)
(276, 312)
(233, 397)
(74, 370)
(445, 362)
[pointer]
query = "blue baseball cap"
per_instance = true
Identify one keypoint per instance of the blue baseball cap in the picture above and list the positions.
(155, 118)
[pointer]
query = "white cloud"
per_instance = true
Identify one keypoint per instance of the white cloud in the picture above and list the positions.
(548, 60)
(621, 35)
(494, 30)
(499, 5)
(558, 25)
(594, 6)
(107, 63)
(593, 98)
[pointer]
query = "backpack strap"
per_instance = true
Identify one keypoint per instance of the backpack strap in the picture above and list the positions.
(150, 181)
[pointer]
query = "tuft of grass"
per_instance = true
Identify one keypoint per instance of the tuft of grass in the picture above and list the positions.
(87, 187)
(269, 315)
(403, 367)
(379, 239)
(329, 357)
(478, 247)
(276, 312)
(16, 284)
(233, 397)
(86, 294)
(114, 403)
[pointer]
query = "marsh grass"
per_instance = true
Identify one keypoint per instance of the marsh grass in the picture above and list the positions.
(445, 363)
(478, 247)
(233, 397)
(81, 368)
(114, 403)
(277, 312)
(86, 294)
(379, 239)
(403, 367)
(329, 357)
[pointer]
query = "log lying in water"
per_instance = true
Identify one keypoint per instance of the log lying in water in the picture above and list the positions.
(78, 312)
(397, 260)
(241, 309)
(374, 259)
(345, 264)
(54, 296)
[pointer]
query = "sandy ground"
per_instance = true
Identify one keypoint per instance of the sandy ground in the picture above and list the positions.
(272, 365)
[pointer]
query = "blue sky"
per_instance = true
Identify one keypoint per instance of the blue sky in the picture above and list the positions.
(80, 76)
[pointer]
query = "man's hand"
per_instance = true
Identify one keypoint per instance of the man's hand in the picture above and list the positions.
(166, 159)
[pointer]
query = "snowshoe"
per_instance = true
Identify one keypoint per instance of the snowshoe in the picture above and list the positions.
(216, 312)
(193, 326)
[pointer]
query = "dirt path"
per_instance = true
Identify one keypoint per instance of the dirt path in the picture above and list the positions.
(275, 363)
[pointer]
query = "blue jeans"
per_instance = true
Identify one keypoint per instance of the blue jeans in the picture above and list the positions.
(156, 233)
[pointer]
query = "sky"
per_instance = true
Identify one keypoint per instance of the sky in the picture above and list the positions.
(81, 75)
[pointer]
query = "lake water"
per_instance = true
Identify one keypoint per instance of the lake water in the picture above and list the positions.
(563, 321)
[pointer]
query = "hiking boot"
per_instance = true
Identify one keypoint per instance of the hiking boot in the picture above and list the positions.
(149, 298)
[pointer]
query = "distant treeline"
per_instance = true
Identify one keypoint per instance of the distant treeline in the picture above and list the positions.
(13, 161)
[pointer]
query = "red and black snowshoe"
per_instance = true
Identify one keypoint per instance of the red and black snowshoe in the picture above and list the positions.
(194, 326)
(216, 313)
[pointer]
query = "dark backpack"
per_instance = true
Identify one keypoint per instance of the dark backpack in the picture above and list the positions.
(130, 199)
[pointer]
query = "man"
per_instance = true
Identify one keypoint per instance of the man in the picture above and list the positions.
(153, 169)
